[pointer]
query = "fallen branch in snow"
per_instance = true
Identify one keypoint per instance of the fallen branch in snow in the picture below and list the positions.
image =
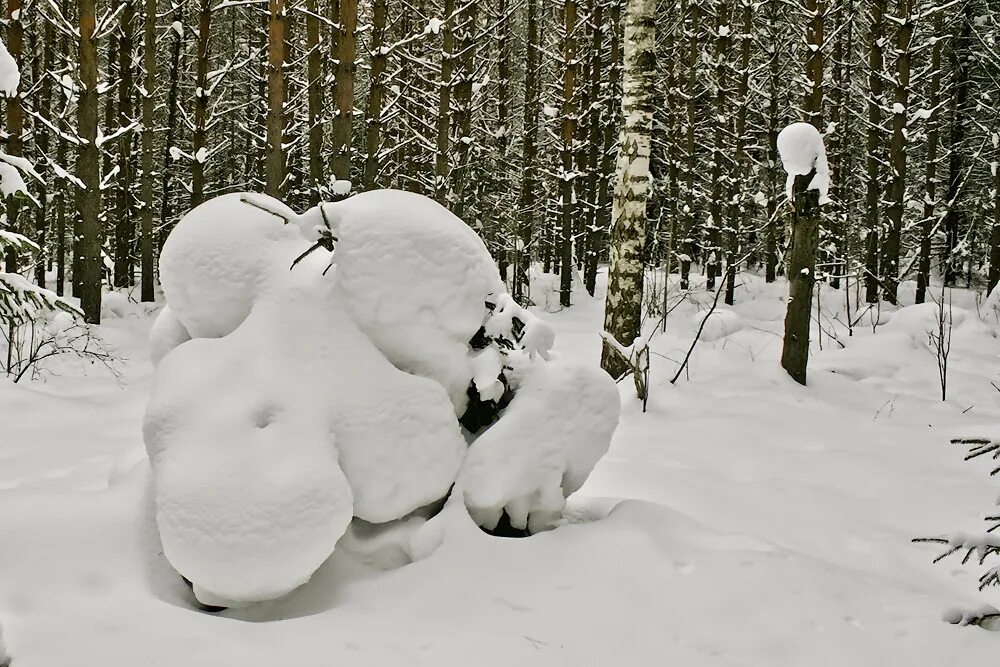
(636, 356)
(986, 617)
(250, 200)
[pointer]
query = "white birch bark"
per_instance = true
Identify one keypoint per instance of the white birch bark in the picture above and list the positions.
(623, 308)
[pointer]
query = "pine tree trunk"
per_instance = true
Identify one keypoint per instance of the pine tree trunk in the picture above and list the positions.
(274, 158)
(774, 74)
(595, 131)
(343, 93)
(44, 107)
(873, 190)
(721, 132)
(611, 127)
(149, 85)
(376, 96)
(501, 155)
(739, 155)
(801, 277)
(314, 87)
(88, 168)
(529, 152)
(166, 211)
(813, 104)
(123, 276)
(930, 172)
(463, 105)
(691, 144)
(567, 130)
(897, 153)
(623, 308)
(198, 143)
(954, 216)
(441, 166)
(15, 115)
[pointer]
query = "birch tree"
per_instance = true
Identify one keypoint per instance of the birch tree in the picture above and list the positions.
(623, 308)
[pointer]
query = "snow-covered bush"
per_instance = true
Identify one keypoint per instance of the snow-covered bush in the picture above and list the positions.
(36, 325)
(20, 300)
(299, 389)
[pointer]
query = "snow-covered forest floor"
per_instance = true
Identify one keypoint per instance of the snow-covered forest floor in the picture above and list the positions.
(742, 520)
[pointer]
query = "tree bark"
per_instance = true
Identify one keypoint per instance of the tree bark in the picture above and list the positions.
(441, 160)
(146, 215)
(314, 91)
(897, 154)
(124, 232)
(274, 159)
(774, 74)
(529, 151)
(954, 216)
(691, 143)
(166, 209)
(801, 277)
(88, 168)
(463, 107)
(566, 176)
(44, 107)
(376, 96)
(343, 92)
(595, 131)
(721, 131)
(623, 308)
(873, 188)
(930, 172)
(15, 115)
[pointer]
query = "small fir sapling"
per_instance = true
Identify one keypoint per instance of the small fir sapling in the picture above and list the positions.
(980, 547)
(939, 339)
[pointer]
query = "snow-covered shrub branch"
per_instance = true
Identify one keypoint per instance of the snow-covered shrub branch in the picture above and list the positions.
(22, 301)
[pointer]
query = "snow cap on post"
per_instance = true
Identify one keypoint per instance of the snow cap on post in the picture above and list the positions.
(802, 151)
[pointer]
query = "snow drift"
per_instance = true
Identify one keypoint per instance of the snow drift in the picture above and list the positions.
(299, 390)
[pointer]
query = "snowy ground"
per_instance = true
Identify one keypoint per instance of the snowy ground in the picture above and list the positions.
(743, 520)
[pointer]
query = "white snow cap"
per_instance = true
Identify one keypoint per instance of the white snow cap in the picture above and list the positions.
(801, 148)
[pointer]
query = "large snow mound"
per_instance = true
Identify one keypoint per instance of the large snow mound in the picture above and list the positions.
(297, 389)
(296, 382)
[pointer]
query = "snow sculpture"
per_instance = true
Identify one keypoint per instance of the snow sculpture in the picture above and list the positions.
(299, 389)
(801, 148)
